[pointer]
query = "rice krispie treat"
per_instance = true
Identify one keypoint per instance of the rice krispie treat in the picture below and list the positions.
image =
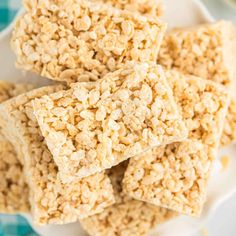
(145, 7)
(128, 216)
(13, 188)
(175, 176)
(206, 51)
(229, 134)
(61, 43)
(9, 90)
(52, 202)
(94, 126)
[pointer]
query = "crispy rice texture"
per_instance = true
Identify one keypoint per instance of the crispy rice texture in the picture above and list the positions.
(175, 176)
(229, 134)
(52, 202)
(13, 188)
(94, 126)
(55, 41)
(145, 7)
(206, 51)
(127, 217)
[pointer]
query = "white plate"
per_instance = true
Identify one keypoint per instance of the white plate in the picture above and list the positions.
(222, 184)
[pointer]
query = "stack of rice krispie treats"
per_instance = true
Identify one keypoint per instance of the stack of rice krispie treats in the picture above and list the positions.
(127, 136)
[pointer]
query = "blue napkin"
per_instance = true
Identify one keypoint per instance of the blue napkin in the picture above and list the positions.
(8, 9)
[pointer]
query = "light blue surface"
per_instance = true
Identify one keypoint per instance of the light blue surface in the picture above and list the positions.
(14, 225)
(8, 9)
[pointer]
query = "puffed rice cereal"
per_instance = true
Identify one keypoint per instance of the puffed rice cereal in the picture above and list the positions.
(51, 201)
(145, 7)
(175, 176)
(77, 40)
(128, 217)
(96, 125)
(206, 51)
(14, 191)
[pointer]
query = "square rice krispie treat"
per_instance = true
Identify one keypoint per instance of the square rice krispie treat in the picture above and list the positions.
(51, 201)
(128, 216)
(175, 176)
(145, 7)
(61, 43)
(13, 188)
(94, 126)
(206, 51)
